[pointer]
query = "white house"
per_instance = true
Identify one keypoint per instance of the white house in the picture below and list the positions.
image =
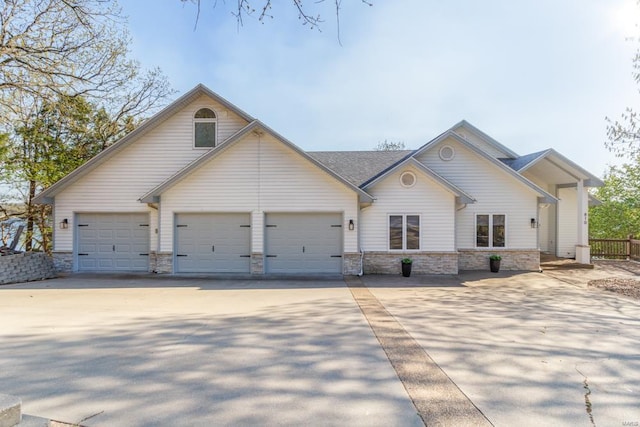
(203, 187)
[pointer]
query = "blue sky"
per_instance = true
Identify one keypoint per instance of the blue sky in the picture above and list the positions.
(532, 74)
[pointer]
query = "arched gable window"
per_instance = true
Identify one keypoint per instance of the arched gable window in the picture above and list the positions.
(204, 133)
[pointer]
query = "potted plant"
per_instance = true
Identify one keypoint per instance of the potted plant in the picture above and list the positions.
(494, 263)
(406, 266)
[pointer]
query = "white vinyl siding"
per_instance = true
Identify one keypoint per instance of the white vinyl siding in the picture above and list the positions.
(259, 175)
(434, 204)
(479, 142)
(494, 189)
(118, 183)
(567, 223)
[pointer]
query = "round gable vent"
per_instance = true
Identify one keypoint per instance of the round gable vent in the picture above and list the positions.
(447, 153)
(408, 179)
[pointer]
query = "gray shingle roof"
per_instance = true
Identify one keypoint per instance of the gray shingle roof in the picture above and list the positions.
(358, 167)
(522, 161)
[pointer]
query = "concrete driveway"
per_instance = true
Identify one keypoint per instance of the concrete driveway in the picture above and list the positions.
(529, 349)
(526, 349)
(138, 351)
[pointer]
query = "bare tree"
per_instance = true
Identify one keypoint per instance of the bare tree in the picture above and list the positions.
(71, 47)
(308, 16)
(67, 91)
(390, 146)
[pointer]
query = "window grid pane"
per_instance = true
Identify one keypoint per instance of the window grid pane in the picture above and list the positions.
(413, 232)
(205, 135)
(482, 231)
(395, 232)
(498, 231)
(205, 113)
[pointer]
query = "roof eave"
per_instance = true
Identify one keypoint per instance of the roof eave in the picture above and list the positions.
(498, 163)
(146, 126)
(487, 138)
(228, 143)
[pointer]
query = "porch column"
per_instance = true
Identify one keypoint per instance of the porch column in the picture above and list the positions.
(583, 250)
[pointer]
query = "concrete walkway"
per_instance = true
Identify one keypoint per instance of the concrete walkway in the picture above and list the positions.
(438, 400)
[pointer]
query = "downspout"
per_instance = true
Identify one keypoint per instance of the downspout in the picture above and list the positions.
(361, 273)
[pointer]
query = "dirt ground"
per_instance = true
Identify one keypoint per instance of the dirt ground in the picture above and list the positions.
(619, 282)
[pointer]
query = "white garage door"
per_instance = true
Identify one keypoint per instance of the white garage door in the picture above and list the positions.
(113, 242)
(213, 243)
(303, 243)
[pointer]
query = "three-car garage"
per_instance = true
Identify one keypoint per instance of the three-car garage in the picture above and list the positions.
(293, 243)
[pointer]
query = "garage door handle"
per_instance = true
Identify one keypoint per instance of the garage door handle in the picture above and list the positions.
(245, 256)
(213, 248)
(181, 255)
(83, 254)
(143, 254)
(336, 256)
(303, 249)
(272, 256)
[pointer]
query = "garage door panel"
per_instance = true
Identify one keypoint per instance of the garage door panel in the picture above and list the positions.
(303, 243)
(112, 242)
(213, 243)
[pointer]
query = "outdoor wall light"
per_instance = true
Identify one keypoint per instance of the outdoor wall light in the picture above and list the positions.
(533, 223)
(64, 224)
(351, 225)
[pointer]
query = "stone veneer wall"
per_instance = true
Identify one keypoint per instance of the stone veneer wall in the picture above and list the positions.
(161, 262)
(25, 267)
(423, 262)
(512, 259)
(63, 261)
(351, 264)
(257, 263)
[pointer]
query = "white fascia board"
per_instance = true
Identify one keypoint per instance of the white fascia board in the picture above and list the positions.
(154, 195)
(125, 141)
(590, 181)
(465, 124)
(228, 143)
(363, 195)
(491, 159)
(440, 180)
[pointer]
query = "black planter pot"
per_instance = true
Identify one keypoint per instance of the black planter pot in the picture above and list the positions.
(494, 264)
(406, 269)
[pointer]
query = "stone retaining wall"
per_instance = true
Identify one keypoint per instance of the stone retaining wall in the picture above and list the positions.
(63, 261)
(25, 267)
(512, 259)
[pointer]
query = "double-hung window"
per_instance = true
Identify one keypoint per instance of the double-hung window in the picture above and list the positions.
(404, 232)
(490, 230)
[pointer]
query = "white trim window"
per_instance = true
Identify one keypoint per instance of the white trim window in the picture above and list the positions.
(205, 124)
(404, 232)
(491, 230)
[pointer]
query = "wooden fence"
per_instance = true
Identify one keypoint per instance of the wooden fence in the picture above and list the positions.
(615, 248)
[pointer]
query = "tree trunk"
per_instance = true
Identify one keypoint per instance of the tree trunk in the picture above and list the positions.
(28, 242)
